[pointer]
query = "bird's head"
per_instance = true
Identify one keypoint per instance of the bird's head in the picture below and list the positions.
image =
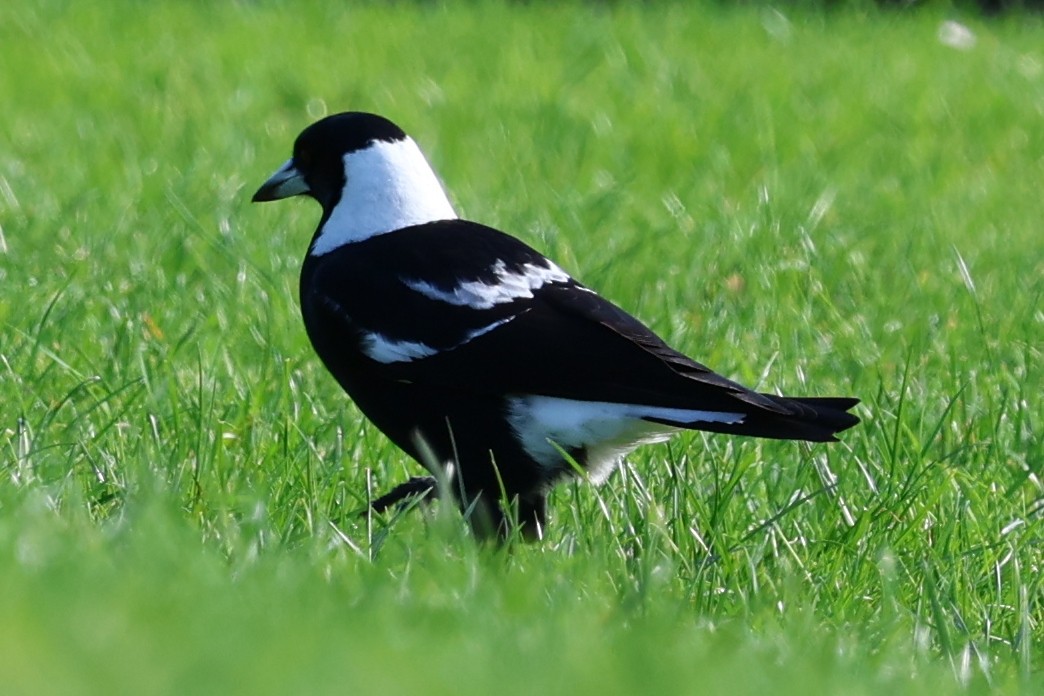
(366, 173)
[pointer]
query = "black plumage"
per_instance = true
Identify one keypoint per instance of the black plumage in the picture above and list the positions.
(451, 333)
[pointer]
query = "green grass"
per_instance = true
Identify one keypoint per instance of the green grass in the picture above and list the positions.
(823, 203)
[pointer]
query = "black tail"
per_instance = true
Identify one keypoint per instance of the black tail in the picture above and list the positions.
(815, 419)
(827, 416)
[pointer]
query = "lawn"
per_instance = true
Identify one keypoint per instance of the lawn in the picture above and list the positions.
(815, 202)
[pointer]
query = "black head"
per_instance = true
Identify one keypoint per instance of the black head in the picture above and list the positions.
(317, 165)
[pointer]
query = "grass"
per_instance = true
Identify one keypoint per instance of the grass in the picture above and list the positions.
(815, 202)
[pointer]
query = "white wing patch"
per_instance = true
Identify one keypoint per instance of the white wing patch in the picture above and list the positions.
(608, 431)
(484, 330)
(385, 350)
(509, 286)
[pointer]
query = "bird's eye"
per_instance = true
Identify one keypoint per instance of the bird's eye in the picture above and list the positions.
(303, 158)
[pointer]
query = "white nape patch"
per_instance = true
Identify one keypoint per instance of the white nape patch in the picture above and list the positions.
(385, 350)
(508, 287)
(608, 431)
(389, 185)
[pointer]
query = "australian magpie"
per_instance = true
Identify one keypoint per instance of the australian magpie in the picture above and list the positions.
(476, 354)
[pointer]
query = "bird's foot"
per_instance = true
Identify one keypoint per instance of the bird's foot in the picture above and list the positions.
(422, 488)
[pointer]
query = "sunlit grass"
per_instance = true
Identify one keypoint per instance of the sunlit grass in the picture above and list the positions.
(821, 203)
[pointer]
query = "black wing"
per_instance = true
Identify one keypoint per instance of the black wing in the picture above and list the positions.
(563, 340)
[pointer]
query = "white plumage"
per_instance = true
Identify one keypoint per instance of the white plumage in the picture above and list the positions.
(390, 186)
(546, 425)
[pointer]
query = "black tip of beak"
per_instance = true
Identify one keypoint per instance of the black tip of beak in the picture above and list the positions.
(284, 183)
(262, 194)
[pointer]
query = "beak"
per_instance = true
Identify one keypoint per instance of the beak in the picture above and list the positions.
(284, 183)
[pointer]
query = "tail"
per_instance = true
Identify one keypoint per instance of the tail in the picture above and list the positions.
(814, 419)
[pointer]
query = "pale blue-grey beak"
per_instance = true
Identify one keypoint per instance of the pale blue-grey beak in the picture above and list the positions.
(284, 183)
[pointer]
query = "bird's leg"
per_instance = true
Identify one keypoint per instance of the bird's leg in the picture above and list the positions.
(423, 488)
(525, 517)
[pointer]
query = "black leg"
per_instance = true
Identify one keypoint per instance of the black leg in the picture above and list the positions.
(498, 520)
(488, 520)
(422, 487)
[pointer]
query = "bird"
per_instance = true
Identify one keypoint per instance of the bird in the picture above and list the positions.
(478, 356)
